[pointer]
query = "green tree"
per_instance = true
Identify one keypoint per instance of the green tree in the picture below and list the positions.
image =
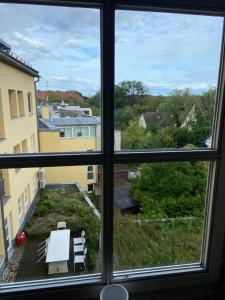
(129, 93)
(135, 137)
(171, 189)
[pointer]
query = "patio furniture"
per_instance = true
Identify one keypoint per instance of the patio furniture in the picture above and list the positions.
(79, 247)
(42, 252)
(43, 245)
(80, 259)
(61, 225)
(58, 251)
(79, 240)
(114, 291)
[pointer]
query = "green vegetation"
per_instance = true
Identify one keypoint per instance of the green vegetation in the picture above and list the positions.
(67, 205)
(171, 196)
(153, 244)
(170, 190)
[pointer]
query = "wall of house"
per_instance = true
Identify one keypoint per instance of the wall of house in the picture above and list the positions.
(50, 141)
(17, 132)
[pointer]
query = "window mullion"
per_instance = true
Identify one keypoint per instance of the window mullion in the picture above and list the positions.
(107, 40)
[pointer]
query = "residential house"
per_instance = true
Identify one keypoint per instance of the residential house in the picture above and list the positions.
(149, 119)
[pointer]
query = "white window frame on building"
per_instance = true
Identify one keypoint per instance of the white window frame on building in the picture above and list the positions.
(90, 172)
(20, 209)
(199, 279)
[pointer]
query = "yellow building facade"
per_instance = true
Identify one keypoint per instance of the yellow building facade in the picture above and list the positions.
(69, 135)
(18, 134)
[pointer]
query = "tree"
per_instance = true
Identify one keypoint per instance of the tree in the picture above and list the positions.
(171, 189)
(177, 106)
(129, 93)
(135, 137)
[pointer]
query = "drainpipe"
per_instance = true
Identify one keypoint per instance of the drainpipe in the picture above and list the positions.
(3, 217)
(35, 88)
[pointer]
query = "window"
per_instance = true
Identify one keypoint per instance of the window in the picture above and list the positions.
(158, 218)
(29, 103)
(32, 143)
(13, 104)
(17, 148)
(92, 131)
(90, 172)
(90, 187)
(20, 209)
(27, 201)
(24, 146)
(80, 131)
(20, 103)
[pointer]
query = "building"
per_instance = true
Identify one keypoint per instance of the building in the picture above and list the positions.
(69, 135)
(150, 119)
(80, 133)
(18, 134)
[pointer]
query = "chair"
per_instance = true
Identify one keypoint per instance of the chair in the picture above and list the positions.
(61, 225)
(79, 247)
(44, 251)
(43, 245)
(79, 240)
(114, 291)
(80, 259)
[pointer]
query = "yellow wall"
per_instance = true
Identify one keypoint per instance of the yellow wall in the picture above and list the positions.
(50, 141)
(17, 131)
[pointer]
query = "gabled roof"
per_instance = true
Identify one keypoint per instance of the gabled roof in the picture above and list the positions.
(152, 117)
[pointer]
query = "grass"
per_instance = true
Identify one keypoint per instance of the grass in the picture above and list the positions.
(155, 244)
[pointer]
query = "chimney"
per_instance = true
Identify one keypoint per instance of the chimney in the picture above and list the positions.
(45, 112)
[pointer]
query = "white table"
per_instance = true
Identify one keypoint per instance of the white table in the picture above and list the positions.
(58, 251)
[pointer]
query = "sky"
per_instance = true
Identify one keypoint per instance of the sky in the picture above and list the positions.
(163, 50)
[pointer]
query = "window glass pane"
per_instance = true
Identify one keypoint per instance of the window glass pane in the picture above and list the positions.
(166, 75)
(93, 131)
(76, 131)
(63, 46)
(159, 211)
(68, 132)
(54, 206)
(85, 131)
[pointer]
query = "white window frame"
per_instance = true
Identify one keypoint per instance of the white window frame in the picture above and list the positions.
(90, 172)
(72, 131)
(20, 209)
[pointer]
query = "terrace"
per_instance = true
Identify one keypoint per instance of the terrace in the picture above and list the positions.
(56, 204)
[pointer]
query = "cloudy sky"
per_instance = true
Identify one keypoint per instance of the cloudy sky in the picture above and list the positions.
(164, 51)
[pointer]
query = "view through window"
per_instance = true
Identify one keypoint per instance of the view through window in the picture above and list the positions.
(53, 223)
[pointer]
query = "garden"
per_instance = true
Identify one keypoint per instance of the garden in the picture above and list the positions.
(59, 204)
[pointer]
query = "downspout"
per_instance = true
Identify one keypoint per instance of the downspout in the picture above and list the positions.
(3, 217)
(35, 88)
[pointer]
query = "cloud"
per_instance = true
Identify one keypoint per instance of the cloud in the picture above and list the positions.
(30, 43)
(163, 50)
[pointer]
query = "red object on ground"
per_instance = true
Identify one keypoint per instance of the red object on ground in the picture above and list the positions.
(20, 238)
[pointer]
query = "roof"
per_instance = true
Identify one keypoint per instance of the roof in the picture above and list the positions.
(11, 59)
(58, 122)
(121, 198)
(152, 117)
